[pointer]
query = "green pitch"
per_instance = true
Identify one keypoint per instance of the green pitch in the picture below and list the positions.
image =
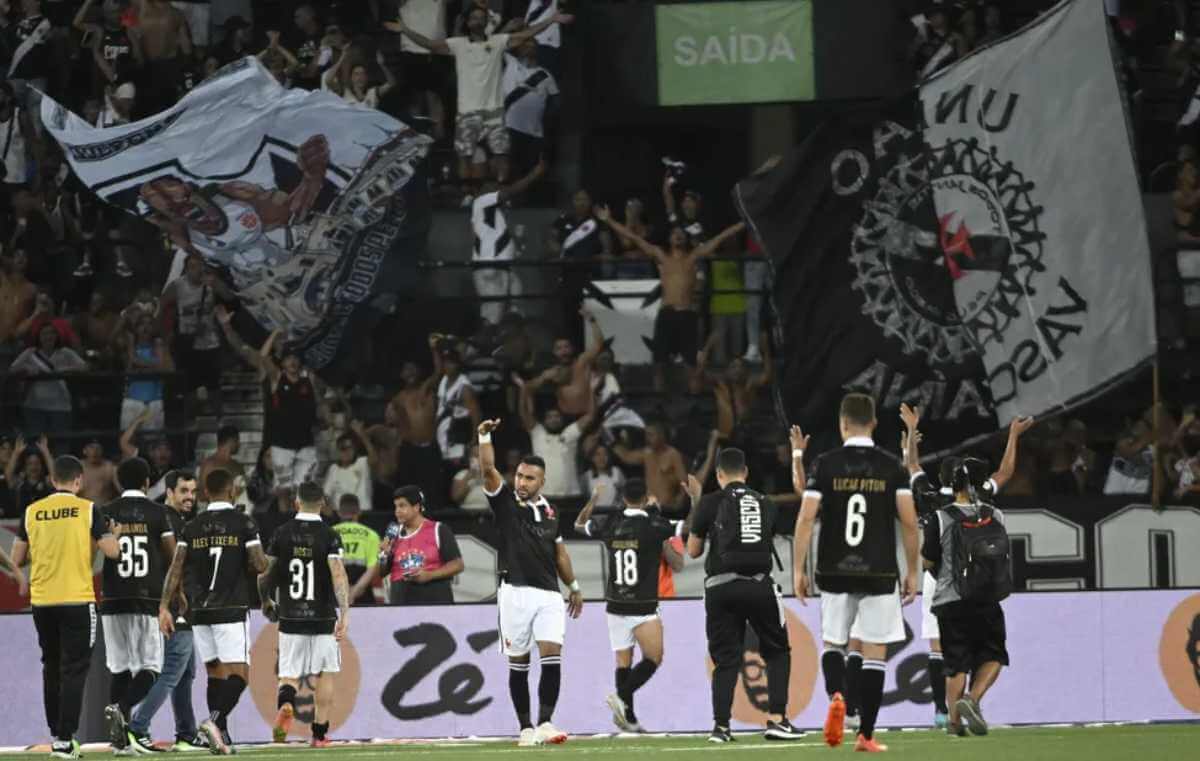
(1116, 743)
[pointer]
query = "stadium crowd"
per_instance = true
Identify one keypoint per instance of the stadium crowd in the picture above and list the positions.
(133, 339)
(108, 334)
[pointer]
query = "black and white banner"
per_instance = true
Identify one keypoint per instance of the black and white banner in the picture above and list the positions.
(308, 205)
(978, 248)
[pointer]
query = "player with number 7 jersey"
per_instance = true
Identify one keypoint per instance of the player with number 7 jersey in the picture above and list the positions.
(216, 558)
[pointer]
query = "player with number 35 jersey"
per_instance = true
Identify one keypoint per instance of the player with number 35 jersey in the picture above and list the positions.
(132, 585)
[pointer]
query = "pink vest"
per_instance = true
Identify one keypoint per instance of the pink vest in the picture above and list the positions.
(416, 552)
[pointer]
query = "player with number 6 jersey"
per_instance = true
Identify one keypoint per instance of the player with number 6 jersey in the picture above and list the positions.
(132, 584)
(635, 541)
(215, 559)
(859, 491)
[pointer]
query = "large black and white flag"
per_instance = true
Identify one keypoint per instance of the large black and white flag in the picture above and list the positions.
(978, 248)
(308, 205)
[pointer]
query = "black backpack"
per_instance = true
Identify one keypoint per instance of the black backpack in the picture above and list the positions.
(743, 540)
(981, 557)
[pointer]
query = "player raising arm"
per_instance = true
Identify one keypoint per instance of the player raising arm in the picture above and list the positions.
(636, 541)
(532, 558)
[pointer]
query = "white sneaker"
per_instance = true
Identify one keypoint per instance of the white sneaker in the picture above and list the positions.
(548, 734)
(852, 722)
(618, 713)
(528, 738)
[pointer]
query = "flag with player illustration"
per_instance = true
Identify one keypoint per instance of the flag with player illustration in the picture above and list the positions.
(308, 205)
(978, 247)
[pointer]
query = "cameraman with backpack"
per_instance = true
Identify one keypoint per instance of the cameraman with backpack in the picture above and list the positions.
(739, 590)
(967, 549)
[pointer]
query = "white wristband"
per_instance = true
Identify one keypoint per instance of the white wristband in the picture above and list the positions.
(485, 438)
(574, 585)
(797, 454)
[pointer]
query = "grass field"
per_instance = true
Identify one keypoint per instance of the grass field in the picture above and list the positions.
(1163, 742)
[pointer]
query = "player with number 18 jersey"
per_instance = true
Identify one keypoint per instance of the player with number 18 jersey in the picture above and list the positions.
(634, 541)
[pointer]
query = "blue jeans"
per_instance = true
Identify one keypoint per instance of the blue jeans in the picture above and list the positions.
(179, 670)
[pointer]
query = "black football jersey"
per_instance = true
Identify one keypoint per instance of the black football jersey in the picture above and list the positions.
(633, 542)
(132, 583)
(857, 484)
(303, 582)
(528, 535)
(218, 578)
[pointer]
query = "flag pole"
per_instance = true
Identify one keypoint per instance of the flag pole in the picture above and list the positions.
(1156, 479)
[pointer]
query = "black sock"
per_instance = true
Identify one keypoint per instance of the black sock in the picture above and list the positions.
(937, 682)
(518, 689)
(853, 668)
(119, 688)
(870, 692)
(622, 691)
(779, 670)
(548, 686)
(639, 675)
(833, 666)
(287, 694)
(215, 693)
(139, 688)
(234, 686)
(319, 730)
(622, 676)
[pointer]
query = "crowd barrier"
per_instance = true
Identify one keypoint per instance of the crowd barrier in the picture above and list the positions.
(437, 671)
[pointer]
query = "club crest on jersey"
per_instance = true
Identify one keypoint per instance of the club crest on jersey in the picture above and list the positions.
(249, 220)
(946, 247)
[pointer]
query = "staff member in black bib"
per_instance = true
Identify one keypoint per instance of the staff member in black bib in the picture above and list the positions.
(739, 590)
(60, 535)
